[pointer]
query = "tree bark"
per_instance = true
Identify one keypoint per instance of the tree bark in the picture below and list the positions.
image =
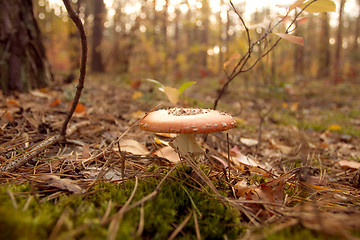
(23, 62)
(97, 36)
(339, 37)
(324, 48)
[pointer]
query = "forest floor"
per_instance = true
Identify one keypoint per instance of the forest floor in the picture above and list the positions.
(294, 167)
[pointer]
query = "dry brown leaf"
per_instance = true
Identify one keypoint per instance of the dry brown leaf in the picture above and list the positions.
(346, 164)
(283, 148)
(62, 183)
(249, 142)
(133, 146)
(168, 153)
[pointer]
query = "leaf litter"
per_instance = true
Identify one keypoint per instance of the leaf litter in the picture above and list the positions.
(288, 178)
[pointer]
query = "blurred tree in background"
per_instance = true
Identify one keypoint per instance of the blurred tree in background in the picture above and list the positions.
(23, 63)
(191, 39)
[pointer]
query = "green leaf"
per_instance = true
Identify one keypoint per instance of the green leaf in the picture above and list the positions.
(184, 86)
(319, 6)
(156, 82)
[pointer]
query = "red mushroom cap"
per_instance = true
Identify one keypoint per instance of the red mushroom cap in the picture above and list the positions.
(187, 120)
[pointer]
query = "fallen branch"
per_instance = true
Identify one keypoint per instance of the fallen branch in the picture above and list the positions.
(30, 153)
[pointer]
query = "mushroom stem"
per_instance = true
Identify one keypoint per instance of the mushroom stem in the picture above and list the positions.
(185, 144)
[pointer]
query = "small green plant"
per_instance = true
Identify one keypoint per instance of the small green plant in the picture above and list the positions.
(173, 94)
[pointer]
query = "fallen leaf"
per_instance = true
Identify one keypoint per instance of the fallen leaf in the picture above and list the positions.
(112, 175)
(160, 141)
(137, 95)
(133, 146)
(242, 188)
(249, 142)
(9, 117)
(334, 127)
(283, 148)
(86, 151)
(219, 162)
(12, 103)
(346, 164)
(40, 94)
(242, 159)
(62, 183)
(80, 108)
(55, 103)
(168, 153)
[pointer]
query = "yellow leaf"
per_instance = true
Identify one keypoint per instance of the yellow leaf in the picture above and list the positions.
(136, 95)
(284, 105)
(295, 4)
(319, 6)
(172, 94)
(334, 127)
(160, 141)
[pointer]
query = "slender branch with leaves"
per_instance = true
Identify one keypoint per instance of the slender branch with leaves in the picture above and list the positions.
(243, 64)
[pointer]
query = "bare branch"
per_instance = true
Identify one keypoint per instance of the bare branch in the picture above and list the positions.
(75, 17)
(240, 66)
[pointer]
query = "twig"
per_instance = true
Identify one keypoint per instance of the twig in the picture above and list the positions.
(75, 17)
(240, 66)
(180, 227)
(115, 223)
(33, 151)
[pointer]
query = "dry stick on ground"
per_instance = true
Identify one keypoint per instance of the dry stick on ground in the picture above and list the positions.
(33, 151)
(19, 161)
(242, 63)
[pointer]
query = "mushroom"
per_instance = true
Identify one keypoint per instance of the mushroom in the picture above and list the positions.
(187, 122)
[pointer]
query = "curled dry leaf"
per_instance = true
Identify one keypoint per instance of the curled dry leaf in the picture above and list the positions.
(133, 146)
(347, 164)
(168, 153)
(62, 183)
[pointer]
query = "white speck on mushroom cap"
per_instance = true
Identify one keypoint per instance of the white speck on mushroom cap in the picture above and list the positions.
(187, 120)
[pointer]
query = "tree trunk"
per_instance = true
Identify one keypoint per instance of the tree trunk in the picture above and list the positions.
(324, 48)
(23, 62)
(339, 37)
(97, 35)
(357, 31)
(299, 53)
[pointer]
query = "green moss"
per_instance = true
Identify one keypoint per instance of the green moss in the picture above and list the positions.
(298, 232)
(83, 214)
